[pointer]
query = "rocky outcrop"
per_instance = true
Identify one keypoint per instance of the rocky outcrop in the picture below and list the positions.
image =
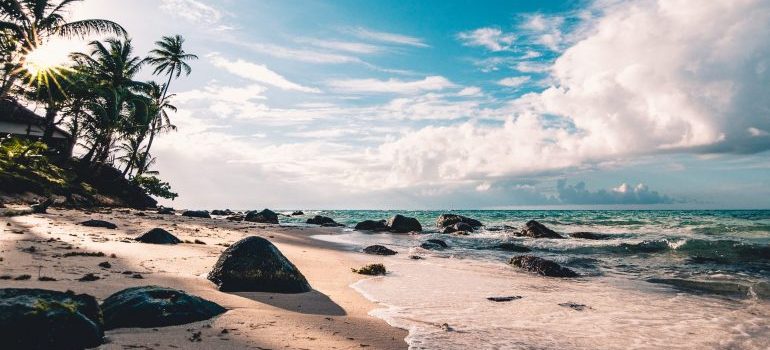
(402, 224)
(372, 225)
(448, 220)
(253, 264)
(99, 223)
(541, 266)
(46, 319)
(297, 213)
(158, 236)
(197, 214)
(434, 244)
(458, 227)
(589, 235)
(379, 250)
(265, 216)
(153, 306)
(222, 212)
(535, 229)
(166, 210)
(323, 221)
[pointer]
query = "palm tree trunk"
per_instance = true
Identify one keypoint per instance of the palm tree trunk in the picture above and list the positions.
(155, 123)
(50, 120)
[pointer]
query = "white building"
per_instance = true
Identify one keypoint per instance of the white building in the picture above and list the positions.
(19, 121)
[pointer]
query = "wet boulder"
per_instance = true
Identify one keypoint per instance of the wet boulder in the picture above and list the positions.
(46, 319)
(253, 264)
(297, 213)
(166, 210)
(323, 221)
(541, 266)
(158, 236)
(434, 244)
(372, 225)
(153, 306)
(535, 229)
(222, 212)
(458, 227)
(379, 250)
(589, 235)
(449, 220)
(99, 223)
(265, 216)
(197, 214)
(402, 224)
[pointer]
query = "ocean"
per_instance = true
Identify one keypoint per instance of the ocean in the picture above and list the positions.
(661, 279)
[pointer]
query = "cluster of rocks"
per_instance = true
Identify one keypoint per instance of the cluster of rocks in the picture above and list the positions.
(457, 224)
(396, 224)
(323, 221)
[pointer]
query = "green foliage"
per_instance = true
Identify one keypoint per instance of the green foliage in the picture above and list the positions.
(16, 152)
(155, 187)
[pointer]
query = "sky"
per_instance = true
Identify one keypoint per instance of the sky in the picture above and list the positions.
(463, 104)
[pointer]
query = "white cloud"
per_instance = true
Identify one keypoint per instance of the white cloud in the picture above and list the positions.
(513, 81)
(257, 72)
(493, 39)
(386, 37)
(338, 45)
(431, 83)
(192, 10)
(546, 30)
(294, 54)
(470, 91)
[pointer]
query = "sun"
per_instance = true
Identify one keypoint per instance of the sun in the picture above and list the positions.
(45, 58)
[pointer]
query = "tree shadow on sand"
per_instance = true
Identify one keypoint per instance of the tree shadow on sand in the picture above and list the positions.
(311, 303)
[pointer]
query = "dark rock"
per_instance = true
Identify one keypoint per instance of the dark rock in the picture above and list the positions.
(323, 221)
(372, 225)
(105, 264)
(158, 236)
(197, 214)
(458, 227)
(403, 224)
(266, 216)
(153, 306)
(535, 229)
(434, 244)
(589, 235)
(297, 213)
(379, 250)
(541, 266)
(503, 299)
(99, 223)
(512, 247)
(236, 217)
(371, 270)
(575, 306)
(221, 212)
(447, 220)
(89, 277)
(166, 210)
(253, 264)
(45, 319)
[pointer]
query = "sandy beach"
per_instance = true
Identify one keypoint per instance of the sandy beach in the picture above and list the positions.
(332, 316)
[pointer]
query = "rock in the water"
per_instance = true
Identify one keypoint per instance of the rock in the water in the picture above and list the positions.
(458, 227)
(403, 224)
(379, 250)
(221, 212)
(323, 221)
(197, 214)
(153, 306)
(253, 264)
(589, 235)
(166, 210)
(371, 270)
(511, 247)
(46, 319)
(297, 213)
(448, 220)
(372, 225)
(535, 229)
(158, 236)
(434, 244)
(99, 223)
(541, 266)
(266, 216)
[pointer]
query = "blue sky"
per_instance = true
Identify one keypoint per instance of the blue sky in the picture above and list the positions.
(464, 104)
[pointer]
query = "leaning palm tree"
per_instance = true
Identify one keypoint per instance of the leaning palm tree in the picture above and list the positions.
(159, 113)
(29, 23)
(169, 59)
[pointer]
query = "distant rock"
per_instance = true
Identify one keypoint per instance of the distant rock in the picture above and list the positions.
(265, 216)
(197, 214)
(458, 227)
(297, 213)
(402, 224)
(589, 235)
(449, 220)
(323, 221)
(535, 229)
(511, 247)
(166, 210)
(541, 266)
(253, 264)
(222, 212)
(153, 306)
(372, 225)
(45, 319)
(158, 236)
(433, 244)
(99, 223)
(236, 217)
(379, 250)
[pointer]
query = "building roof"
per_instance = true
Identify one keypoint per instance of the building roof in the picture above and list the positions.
(13, 112)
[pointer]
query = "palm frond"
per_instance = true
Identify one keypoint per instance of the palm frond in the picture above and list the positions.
(90, 26)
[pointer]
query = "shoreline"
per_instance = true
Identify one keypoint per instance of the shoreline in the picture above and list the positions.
(333, 315)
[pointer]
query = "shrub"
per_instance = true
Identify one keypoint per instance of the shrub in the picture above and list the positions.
(154, 187)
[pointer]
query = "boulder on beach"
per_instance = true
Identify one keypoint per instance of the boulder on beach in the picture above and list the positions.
(402, 224)
(253, 264)
(323, 221)
(458, 227)
(153, 306)
(197, 214)
(449, 220)
(46, 319)
(99, 223)
(541, 266)
(433, 244)
(379, 250)
(535, 229)
(221, 212)
(297, 213)
(372, 225)
(265, 216)
(166, 210)
(589, 235)
(158, 236)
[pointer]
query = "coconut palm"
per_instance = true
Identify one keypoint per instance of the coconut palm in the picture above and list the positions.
(169, 59)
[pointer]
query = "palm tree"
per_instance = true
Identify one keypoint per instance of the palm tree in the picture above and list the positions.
(29, 23)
